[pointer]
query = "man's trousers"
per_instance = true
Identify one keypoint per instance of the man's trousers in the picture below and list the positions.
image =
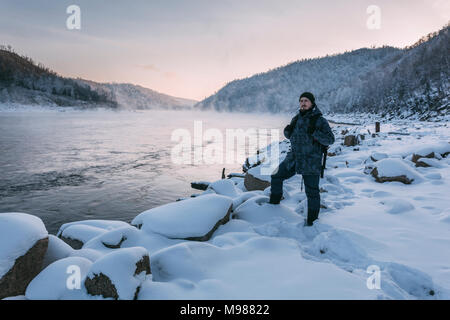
(287, 170)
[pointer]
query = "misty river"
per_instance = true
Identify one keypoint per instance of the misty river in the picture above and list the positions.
(76, 165)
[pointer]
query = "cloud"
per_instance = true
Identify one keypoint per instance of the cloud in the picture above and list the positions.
(150, 67)
(153, 68)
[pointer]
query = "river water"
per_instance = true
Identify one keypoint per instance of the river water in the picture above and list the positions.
(76, 165)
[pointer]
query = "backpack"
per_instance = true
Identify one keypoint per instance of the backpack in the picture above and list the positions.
(310, 130)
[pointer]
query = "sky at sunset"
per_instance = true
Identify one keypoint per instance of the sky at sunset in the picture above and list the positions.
(191, 48)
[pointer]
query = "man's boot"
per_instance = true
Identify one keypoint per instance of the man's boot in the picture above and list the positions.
(312, 216)
(275, 198)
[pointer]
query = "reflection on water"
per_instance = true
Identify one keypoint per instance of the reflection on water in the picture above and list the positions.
(76, 165)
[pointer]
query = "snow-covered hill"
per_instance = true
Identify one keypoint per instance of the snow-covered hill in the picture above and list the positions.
(131, 96)
(382, 80)
(23, 82)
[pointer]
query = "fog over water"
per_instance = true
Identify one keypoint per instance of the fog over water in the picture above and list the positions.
(77, 165)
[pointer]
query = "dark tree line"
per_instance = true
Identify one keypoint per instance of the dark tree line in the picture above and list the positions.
(22, 71)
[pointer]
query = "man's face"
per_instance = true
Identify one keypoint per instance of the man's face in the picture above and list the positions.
(305, 103)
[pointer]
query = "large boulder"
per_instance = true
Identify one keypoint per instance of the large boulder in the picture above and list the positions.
(23, 244)
(119, 274)
(191, 219)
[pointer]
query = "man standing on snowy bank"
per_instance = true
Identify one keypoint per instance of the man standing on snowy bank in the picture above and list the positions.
(309, 133)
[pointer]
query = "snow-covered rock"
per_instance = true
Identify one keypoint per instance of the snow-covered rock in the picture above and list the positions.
(76, 234)
(442, 148)
(191, 219)
(119, 274)
(62, 279)
(350, 140)
(397, 205)
(57, 250)
(225, 187)
(427, 162)
(376, 156)
(114, 239)
(416, 157)
(200, 185)
(254, 180)
(23, 243)
(395, 170)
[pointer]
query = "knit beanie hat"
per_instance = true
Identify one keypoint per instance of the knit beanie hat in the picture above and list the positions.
(308, 95)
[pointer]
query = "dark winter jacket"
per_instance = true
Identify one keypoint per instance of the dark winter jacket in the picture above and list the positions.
(306, 150)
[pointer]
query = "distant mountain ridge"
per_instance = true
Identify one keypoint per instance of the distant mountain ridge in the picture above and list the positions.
(379, 80)
(23, 81)
(137, 97)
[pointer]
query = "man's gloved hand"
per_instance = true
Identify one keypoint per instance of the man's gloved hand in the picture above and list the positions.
(288, 131)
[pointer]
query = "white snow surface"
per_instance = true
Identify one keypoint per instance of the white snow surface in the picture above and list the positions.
(225, 187)
(206, 271)
(19, 232)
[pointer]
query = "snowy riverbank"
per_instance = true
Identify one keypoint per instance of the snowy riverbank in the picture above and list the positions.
(230, 243)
